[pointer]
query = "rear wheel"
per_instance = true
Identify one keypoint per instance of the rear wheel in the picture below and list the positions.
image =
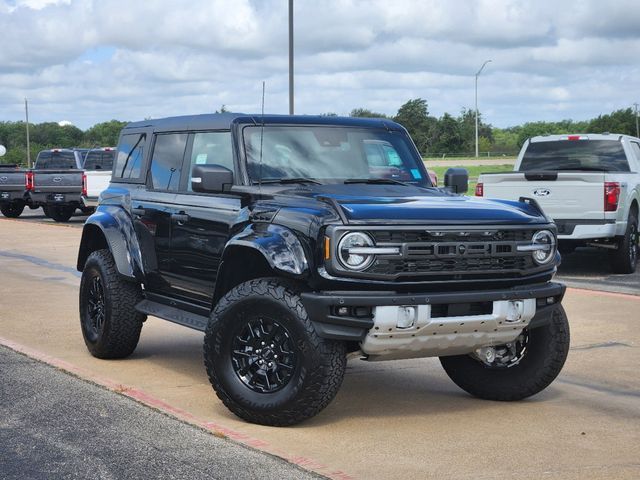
(625, 258)
(516, 370)
(12, 209)
(264, 358)
(60, 213)
(109, 321)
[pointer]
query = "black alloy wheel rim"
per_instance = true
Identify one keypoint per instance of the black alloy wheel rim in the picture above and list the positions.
(263, 355)
(96, 309)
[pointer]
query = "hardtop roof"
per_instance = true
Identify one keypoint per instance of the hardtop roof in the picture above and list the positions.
(218, 121)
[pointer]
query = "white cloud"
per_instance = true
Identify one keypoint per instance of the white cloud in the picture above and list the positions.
(93, 60)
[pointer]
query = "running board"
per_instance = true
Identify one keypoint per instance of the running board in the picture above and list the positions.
(175, 315)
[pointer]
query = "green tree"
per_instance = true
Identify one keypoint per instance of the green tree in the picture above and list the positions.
(366, 113)
(621, 121)
(447, 135)
(467, 121)
(104, 134)
(414, 116)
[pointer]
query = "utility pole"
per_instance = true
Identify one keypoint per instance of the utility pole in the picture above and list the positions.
(290, 57)
(477, 75)
(26, 113)
(637, 129)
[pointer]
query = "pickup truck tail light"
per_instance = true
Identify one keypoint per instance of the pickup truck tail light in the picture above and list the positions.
(29, 183)
(84, 184)
(479, 190)
(611, 196)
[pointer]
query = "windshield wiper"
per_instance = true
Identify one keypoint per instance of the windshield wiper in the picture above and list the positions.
(288, 180)
(376, 181)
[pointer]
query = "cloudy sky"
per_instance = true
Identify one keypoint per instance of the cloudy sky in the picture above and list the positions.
(88, 61)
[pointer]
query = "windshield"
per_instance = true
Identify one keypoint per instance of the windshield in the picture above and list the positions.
(331, 154)
(595, 155)
(98, 160)
(55, 160)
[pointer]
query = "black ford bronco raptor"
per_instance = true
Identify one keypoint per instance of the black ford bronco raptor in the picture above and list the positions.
(292, 241)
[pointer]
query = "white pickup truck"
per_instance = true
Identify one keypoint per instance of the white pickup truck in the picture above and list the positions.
(97, 166)
(589, 184)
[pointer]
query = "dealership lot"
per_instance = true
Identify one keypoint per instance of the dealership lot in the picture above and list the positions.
(390, 420)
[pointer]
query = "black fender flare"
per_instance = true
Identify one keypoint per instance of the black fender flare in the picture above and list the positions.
(111, 227)
(279, 246)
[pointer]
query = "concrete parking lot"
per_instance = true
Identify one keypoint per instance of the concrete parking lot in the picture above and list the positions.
(401, 419)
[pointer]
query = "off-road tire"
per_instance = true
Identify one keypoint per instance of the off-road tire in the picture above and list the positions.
(12, 209)
(60, 213)
(625, 258)
(319, 367)
(546, 353)
(120, 329)
(45, 210)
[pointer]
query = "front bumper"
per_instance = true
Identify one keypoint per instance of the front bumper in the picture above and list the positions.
(454, 321)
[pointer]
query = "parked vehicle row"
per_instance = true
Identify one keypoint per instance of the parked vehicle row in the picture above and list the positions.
(588, 183)
(61, 181)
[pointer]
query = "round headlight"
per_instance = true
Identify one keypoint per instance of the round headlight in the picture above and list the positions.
(546, 242)
(348, 247)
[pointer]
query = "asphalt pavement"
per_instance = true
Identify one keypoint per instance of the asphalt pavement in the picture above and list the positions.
(54, 425)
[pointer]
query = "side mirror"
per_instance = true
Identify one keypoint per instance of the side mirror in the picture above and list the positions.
(457, 180)
(211, 178)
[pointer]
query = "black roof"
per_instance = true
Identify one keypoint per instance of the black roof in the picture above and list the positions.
(216, 121)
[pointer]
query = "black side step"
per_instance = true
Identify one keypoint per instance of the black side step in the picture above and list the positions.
(175, 315)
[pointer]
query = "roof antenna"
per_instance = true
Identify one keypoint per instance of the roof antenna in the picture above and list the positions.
(261, 138)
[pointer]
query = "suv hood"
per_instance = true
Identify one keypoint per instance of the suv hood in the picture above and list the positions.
(407, 204)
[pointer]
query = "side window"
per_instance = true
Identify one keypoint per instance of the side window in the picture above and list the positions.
(166, 161)
(129, 156)
(210, 148)
(636, 149)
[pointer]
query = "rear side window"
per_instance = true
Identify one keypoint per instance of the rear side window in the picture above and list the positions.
(55, 160)
(129, 156)
(98, 160)
(581, 155)
(211, 148)
(166, 162)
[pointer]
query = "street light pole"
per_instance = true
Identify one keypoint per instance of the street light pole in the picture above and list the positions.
(637, 129)
(26, 114)
(477, 75)
(290, 57)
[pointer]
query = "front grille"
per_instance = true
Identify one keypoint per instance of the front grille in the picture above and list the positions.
(451, 254)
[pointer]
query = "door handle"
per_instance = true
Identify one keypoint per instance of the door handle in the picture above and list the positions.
(180, 217)
(138, 211)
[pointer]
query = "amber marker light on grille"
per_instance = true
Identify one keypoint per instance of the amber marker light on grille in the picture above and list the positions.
(327, 248)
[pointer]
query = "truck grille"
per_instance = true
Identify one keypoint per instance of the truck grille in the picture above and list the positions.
(452, 254)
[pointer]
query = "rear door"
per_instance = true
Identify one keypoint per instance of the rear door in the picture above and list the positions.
(201, 229)
(155, 206)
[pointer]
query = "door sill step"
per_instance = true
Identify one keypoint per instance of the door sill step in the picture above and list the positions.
(172, 314)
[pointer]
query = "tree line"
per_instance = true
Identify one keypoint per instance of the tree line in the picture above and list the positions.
(447, 135)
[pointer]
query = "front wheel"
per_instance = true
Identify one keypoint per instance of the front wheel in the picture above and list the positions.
(109, 320)
(264, 358)
(516, 370)
(13, 209)
(625, 258)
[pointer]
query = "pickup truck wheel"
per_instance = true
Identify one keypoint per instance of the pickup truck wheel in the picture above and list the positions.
(264, 358)
(518, 370)
(12, 209)
(110, 323)
(625, 258)
(60, 213)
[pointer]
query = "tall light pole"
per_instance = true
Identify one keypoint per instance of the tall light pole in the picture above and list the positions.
(637, 129)
(290, 57)
(477, 75)
(26, 114)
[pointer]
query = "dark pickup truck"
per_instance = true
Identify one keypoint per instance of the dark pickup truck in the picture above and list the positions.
(56, 183)
(291, 243)
(13, 190)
